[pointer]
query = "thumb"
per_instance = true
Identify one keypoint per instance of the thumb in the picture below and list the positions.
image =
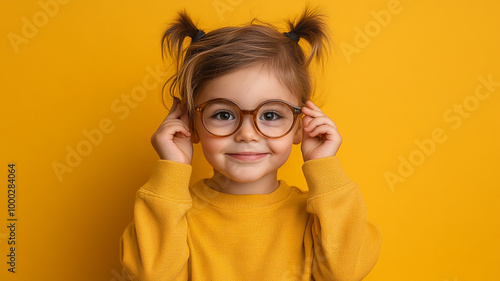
(174, 104)
(174, 112)
(184, 115)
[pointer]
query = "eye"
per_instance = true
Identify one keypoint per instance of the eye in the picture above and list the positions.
(223, 115)
(270, 116)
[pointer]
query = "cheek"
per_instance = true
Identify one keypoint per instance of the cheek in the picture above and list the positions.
(211, 150)
(211, 146)
(282, 146)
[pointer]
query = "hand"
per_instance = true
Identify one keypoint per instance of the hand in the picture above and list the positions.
(320, 136)
(172, 140)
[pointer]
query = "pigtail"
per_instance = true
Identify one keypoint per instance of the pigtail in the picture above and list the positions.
(172, 43)
(311, 27)
(173, 38)
(229, 48)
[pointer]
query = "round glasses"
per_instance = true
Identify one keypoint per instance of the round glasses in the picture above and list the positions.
(272, 118)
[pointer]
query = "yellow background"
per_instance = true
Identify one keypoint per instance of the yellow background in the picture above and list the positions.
(440, 221)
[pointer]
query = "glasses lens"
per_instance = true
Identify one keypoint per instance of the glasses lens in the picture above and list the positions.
(274, 119)
(221, 117)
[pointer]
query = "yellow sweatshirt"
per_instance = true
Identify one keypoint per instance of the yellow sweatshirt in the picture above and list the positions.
(196, 233)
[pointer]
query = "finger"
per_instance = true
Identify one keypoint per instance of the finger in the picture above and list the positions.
(169, 135)
(310, 104)
(184, 117)
(306, 120)
(318, 121)
(327, 130)
(172, 123)
(312, 112)
(175, 111)
(169, 131)
(186, 133)
(174, 104)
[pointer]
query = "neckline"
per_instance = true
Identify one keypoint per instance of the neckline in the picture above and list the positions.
(240, 201)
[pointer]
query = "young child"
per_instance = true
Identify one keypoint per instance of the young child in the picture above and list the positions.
(244, 95)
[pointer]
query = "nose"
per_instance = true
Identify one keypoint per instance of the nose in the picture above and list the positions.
(247, 131)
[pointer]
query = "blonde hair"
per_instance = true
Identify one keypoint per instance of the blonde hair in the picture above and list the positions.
(229, 48)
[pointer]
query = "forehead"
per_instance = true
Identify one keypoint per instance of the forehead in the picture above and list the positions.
(248, 87)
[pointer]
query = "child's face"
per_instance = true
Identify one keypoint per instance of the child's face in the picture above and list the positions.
(248, 87)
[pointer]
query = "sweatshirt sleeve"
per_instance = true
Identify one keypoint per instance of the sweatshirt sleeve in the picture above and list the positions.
(154, 246)
(346, 245)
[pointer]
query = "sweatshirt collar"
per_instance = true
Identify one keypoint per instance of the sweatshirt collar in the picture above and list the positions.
(240, 201)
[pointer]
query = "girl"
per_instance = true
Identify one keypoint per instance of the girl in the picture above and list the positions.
(244, 95)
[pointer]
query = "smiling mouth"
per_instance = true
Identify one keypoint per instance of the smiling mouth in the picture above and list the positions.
(246, 156)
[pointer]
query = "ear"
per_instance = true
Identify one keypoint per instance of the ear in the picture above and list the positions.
(297, 137)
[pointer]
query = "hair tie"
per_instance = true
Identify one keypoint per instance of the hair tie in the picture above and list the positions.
(199, 35)
(293, 36)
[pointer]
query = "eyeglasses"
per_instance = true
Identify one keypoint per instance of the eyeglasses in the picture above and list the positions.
(272, 118)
